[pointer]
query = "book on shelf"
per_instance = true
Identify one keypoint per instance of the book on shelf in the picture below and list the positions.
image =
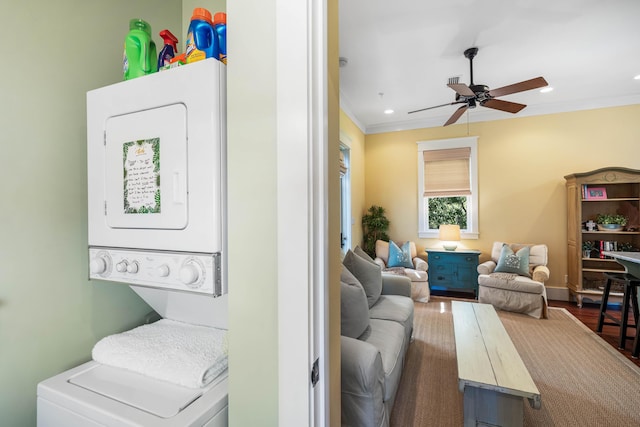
(593, 193)
(606, 246)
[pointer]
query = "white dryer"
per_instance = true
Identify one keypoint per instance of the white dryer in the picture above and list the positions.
(156, 169)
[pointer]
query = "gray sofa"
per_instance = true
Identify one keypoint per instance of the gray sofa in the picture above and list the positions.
(376, 327)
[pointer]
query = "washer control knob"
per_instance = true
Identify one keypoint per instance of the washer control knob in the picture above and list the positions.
(163, 270)
(122, 266)
(190, 273)
(98, 265)
(133, 267)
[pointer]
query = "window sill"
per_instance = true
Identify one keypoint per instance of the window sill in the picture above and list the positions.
(464, 235)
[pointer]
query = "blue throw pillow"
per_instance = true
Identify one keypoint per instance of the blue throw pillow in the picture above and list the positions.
(400, 257)
(517, 263)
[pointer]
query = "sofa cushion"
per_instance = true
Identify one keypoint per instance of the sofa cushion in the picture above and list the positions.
(354, 310)
(388, 337)
(396, 308)
(399, 257)
(369, 275)
(362, 254)
(510, 282)
(510, 262)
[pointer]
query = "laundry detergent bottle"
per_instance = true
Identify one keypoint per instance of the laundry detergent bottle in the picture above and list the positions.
(220, 25)
(139, 50)
(169, 50)
(202, 40)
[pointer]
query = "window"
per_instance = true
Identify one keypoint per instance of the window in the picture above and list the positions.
(448, 186)
(345, 196)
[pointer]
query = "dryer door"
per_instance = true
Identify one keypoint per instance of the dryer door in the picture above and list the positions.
(146, 169)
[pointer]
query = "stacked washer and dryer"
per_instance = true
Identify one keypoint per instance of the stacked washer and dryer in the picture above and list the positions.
(157, 222)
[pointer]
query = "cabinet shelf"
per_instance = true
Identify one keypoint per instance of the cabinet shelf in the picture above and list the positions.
(601, 270)
(609, 232)
(617, 199)
(621, 186)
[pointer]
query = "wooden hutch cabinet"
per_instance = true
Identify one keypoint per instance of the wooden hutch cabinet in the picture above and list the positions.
(604, 191)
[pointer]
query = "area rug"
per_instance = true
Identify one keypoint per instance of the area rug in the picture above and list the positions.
(583, 381)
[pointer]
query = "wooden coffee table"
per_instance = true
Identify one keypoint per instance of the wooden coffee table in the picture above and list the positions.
(491, 373)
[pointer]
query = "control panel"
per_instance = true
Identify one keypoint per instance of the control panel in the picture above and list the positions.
(182, 271)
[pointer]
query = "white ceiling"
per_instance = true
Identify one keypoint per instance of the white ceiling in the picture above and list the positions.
(587, 50)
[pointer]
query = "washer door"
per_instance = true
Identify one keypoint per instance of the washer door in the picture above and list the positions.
(146, 169)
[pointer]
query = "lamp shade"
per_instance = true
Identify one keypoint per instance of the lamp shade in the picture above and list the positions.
(449, 234)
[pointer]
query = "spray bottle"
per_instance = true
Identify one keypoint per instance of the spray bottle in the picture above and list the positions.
(220, 25)
(169, 50)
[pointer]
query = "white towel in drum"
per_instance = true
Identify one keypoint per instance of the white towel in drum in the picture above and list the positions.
(168, 350)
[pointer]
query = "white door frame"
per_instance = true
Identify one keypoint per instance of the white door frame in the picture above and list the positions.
(302, 128)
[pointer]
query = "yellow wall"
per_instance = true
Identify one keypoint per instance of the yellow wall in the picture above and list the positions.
(521, 162)
(355, 141)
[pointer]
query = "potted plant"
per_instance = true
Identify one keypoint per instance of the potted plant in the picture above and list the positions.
(587, 247)
(375, 225)
(611, 222)
(626, 247)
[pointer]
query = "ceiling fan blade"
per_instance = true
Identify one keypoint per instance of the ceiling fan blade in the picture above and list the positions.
(519, 87)
(498, 104)
(461, 89)
(456, 115)
(437, 106)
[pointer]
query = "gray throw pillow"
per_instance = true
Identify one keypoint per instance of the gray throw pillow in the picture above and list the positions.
(369, 275)
(354, 310)
(362, 254)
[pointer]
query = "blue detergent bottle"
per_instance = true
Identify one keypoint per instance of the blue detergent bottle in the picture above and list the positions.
(169, 50)
(220, 25)
(202, 40)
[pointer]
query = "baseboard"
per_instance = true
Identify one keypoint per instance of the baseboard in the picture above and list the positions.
(558, 293)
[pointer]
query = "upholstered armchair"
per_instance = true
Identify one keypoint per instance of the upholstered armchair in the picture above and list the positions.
(403, 259)
(513, 280)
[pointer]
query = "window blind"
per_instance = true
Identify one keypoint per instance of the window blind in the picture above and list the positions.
(446, 172)
(343, 165)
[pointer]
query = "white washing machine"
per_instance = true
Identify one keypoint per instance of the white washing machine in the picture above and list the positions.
(94, 394)
(156, 168)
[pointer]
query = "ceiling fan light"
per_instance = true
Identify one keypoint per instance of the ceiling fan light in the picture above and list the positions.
(546, 89)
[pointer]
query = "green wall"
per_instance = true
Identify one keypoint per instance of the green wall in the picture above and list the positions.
(50, 314)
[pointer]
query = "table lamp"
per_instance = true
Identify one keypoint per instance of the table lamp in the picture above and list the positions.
(449, 234)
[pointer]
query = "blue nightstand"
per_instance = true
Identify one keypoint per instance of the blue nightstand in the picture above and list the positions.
(456, 270)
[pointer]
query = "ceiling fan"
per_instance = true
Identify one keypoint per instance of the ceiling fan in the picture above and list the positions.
(474, 94)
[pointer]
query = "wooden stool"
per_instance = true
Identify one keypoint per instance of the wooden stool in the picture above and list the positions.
(630, 296)
(636, 343)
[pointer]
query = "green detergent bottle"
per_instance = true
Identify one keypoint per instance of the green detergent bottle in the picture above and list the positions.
(139, 50)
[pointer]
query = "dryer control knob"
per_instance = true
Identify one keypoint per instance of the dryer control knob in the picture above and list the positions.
(190, 274)
(163, 270)
(132, 268)
(121, 266)
(98, 265)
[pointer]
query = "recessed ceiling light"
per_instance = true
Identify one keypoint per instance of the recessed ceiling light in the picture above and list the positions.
(388, 111)
(546, 89)
(637, 77)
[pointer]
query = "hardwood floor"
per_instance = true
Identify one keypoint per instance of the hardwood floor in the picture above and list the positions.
(588, 315)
